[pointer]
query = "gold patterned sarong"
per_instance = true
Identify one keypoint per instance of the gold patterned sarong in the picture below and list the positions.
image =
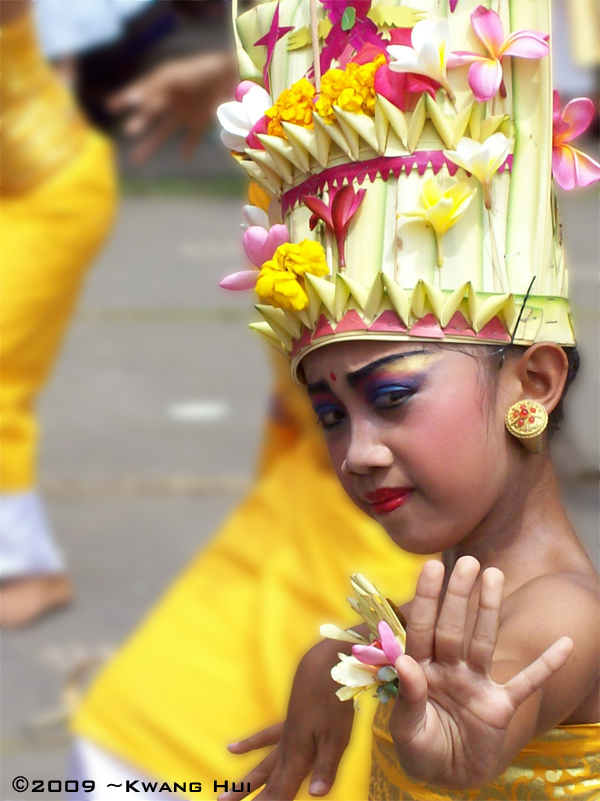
(563, 764)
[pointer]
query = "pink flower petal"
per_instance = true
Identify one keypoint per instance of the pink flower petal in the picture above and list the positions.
(399, 87)
(401, 36)
(526, 44)
(417, 84)
(254, 241)
(342, 206)
(462, 58)
(578, 115)
(278, 234)
(370, 655)
(563, 167)
(555, 102)
(358, 199)
(319, 208)
(389, 643)
(485, 78)
(260, 127)
(245, 279)
(242, 89)
(587, 170)
(392, 85)
(368, 53)
(488, 27)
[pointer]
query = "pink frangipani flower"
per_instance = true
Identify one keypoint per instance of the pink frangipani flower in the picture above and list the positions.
(571, 167)
(343, 205)
(260, 244)
(384, 651)
(485, 73)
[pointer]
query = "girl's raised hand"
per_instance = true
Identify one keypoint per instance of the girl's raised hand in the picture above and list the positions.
(312, 739)
(450, 720)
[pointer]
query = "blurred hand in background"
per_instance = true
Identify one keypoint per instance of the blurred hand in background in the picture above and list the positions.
(178, 97)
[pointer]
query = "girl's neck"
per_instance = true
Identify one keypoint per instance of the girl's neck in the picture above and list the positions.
(527, 534)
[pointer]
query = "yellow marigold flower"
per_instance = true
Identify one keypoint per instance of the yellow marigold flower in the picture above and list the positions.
(333, 84)
(293, 105)
(359, 94)
(280, 282)
(351, 89)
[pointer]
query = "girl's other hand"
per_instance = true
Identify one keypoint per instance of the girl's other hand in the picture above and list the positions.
(313, 738)
(450, 721)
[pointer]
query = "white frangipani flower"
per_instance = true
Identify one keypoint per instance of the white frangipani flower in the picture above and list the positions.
(352, 673)
(483, 160)
(238, 117)
(253, 215)
(429, 52)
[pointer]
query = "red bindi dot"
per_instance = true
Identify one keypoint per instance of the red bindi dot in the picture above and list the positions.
(332, 376)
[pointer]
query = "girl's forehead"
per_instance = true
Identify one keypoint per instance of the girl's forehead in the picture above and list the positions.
(348, 357)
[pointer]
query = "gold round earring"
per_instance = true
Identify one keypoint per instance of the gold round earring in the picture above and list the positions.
(527, 421)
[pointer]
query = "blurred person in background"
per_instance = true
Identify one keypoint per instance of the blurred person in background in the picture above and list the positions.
(215, 658)
(58, 201)
(70, 30)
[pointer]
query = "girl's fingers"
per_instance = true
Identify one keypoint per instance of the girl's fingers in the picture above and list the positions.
(531, 678)
(450, 629)
(485, 633)
(261, 739)
(287, 776)
(325, 767)
(410, 707)
(255, 779)
(420, 628)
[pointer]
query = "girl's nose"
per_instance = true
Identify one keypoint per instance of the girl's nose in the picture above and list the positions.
(365, 451)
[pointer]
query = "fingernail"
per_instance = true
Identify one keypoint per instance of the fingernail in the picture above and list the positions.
(317, 788)
(232, 745)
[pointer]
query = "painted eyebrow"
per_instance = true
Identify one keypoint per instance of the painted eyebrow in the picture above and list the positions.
(357, 376)
(318, 386)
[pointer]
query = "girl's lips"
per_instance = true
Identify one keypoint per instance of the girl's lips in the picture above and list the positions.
(386, 500)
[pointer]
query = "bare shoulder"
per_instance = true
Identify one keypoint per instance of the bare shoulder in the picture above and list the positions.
(540, 612)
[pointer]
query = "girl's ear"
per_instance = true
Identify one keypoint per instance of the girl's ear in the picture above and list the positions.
(540, 373)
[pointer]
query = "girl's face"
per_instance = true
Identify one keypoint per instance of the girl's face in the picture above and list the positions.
(413, 437)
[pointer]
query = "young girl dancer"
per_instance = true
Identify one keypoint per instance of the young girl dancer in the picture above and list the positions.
(419, 288)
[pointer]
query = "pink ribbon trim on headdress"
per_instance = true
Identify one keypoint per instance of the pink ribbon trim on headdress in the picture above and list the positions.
(383, 167)
(388, 321)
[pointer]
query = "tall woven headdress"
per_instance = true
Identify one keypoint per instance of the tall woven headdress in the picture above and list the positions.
(408, 148)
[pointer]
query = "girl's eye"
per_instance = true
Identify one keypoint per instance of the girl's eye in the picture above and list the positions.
(391, 397)
(329, 416)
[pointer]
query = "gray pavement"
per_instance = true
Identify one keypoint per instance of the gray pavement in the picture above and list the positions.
(151, 425)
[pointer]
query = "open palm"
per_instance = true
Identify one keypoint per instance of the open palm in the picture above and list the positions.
(450, 720)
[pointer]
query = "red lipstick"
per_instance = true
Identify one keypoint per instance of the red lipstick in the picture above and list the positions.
(386, 500)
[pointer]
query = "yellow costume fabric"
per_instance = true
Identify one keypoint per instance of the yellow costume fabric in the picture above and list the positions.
(58, 198)
(214, 661)
(563, 764)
